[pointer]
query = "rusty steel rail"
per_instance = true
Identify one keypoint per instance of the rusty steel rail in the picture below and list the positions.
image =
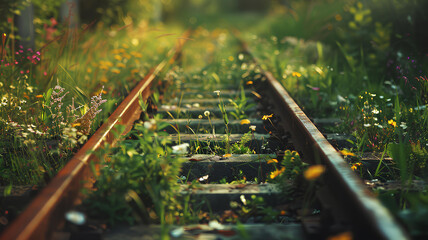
(46, 212)
(351, 199)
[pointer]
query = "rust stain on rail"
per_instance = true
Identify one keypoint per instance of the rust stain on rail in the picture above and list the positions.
(368, 216)
(46, 212)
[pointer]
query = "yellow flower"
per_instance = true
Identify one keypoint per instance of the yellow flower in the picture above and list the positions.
(115, 70)
(118, 57)
(75, 124)
(104, 79)
(313, 172)
(353, 167)
(227, 155)
(134, 71)
(231, 58)
(296, 74)
(277, 172)
(88, 70)
(273, 160)
(249, 82)
(136, 54)
(266, 117)
(115, 51)
(121, 65)
(392, 122)
(39, 96)
(338, 17)
(245, 121)
(345, 152)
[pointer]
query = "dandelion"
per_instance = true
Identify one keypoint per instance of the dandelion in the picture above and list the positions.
(277, 172)
(115, 70)
(200, 117)
(207, 113)
(231, 58)
(245, 121)
(313, 172)
(266, 117)
(273, 160)
(346, 152)
(296, 74)
(392, 122)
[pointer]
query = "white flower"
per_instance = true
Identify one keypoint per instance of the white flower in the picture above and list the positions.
(75, 217)
(150, 124)
(207, 113)
(180, 149)
(253, 128)
(243, 200)
(367, 125)
(217, 92)
(241, 56)
(375, 111)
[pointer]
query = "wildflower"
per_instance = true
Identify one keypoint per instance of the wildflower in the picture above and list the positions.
(200, 117)
(253, 128)
(136, 54)
(410, 109)
(245, 121)
(115, 70)
(296, 74)
(338, 17)
(249, 82)
(375, 111)
(227, 155)
(273, 160)
(134, 71)
(243, 200)
(217, 92)
(75, 124)
(313, 172)
(277, 172)
(180, 149)
(207, 113)
(345, 152)
(75, 217)
(231, 58)
(392, 122)
(266, 117)
(241, 56)
(353, 167)
(121, 65)
(367, 124)
(39, 96)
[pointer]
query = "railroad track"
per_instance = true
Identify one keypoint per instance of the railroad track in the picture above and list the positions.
(337, 202)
